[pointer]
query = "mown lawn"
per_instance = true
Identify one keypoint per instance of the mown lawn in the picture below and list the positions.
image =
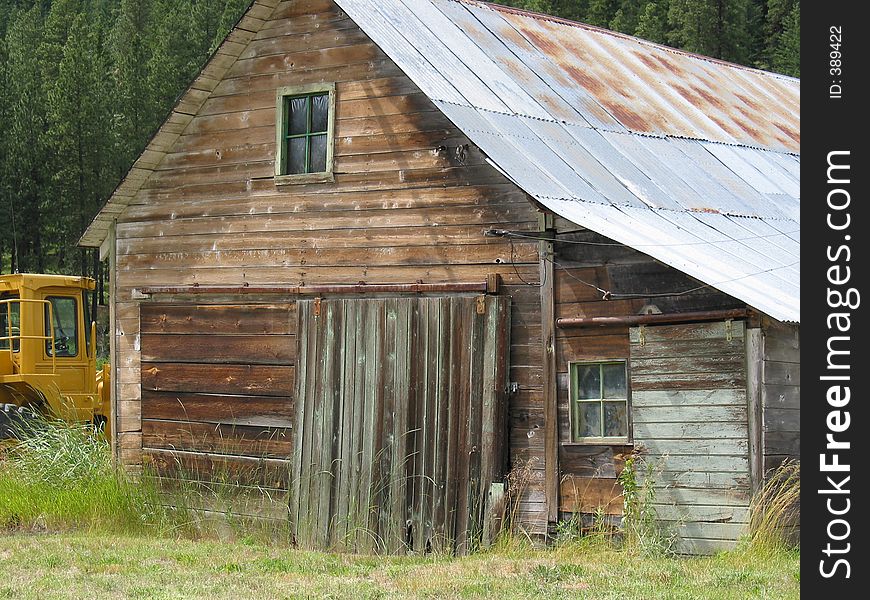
(79, 565)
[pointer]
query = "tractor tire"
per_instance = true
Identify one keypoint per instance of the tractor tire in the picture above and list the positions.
(16, 421)
(8, 413)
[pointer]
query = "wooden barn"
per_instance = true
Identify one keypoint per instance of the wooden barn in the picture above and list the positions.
(390, 264)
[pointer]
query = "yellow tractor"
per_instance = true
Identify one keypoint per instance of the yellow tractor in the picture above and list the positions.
(48, 353)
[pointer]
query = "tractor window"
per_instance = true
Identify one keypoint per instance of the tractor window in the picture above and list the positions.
(10, 322)
(66, 321)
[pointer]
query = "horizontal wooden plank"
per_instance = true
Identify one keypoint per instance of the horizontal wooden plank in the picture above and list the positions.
(781, 373)
(732, 363)
(663, 398)
(221, 498)
(693, 331)
(689, 414)
(216, 349)
(701, 497)
(268, 411)
(787, 443)
(238, 200)
(590, 348)
(701, 514)
(603, 308)
(698, 447)
(330, 37)
(313, 257)
(705, 347)
(590, 495)
(689, 381)
(578, 285)
(592, 461)
(265, 319)
(703, 479)
(696, 530)
(781, 419)
(710, 464)
(335, 56)
(244, 440)
(781, 396)
(704, 428)
(307, 74)
(299, 9)
(255, 380)
(348, 219)
(194, 466)
(293, 276)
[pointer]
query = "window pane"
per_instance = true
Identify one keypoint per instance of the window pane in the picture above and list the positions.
(64, 319)
(590, 419)
(296, 155)
(588, 381)
(614, 381)
(319, 113)
(615, 419)
(318, 154)
(298, 115)
(9, 321)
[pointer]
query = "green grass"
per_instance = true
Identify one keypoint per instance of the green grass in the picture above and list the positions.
(77, 565)
(72, 526)
(60, 476)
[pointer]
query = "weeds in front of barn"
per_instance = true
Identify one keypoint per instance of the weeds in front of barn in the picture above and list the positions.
(774, 513)
(61, 479)
(56, 475)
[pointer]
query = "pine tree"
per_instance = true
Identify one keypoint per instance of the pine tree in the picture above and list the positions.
(232, 10)
(717, 28)
(24, 162)
(787, 55)
(73, 112)
(652, 22)
(132, 120)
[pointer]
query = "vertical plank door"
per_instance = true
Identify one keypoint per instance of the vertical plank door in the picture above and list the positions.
(400, 418)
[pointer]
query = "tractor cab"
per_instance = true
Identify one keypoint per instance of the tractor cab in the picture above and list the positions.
(48, 347)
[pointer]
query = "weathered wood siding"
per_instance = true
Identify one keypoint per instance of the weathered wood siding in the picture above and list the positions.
(780, 393)
(410, 202)
(217, 395)
(588, 264)
(400, 424)
(690, 417)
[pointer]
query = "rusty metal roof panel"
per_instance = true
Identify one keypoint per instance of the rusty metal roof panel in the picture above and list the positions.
(658, 236)
(627, 171)
(504, 151)
(540, 78)
(466, 54)
(413, 48)
(689, 159)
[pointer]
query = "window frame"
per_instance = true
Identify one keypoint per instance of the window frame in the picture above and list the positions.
(48, 348)
(574, 402)
(281, 123)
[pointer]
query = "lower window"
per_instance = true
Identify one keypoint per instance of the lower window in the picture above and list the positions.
(599, 401)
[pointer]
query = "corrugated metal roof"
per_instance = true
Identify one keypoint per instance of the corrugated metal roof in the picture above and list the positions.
(688, 159)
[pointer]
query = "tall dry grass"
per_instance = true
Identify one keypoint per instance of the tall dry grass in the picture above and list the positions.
(60, 475)
(774, 513)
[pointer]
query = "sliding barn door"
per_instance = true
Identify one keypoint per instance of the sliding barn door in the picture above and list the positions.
(399, 421)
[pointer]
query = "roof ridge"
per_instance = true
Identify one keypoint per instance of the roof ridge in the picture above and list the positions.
(603, 30)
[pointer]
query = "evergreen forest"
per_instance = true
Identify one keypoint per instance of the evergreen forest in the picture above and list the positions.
(85, 83)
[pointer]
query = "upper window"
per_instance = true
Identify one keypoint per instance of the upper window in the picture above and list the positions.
(64, 318)
(305, 134)
(599, 401)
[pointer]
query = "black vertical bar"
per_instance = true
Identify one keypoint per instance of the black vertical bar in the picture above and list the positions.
(833, 400)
